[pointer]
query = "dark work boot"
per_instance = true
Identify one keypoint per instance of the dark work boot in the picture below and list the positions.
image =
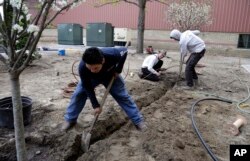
(140, 75)
(67, 125)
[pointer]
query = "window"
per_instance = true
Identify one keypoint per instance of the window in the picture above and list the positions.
(244, 41)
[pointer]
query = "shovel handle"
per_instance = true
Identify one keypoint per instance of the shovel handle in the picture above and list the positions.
(107, 91)
(102, 101)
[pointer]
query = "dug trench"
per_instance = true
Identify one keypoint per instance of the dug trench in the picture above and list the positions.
(49, 143)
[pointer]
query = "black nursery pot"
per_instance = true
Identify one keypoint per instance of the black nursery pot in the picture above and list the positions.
(6, 111)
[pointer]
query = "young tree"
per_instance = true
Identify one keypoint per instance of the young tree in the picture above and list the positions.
(19, 37)
(141, 4)
(187, 14)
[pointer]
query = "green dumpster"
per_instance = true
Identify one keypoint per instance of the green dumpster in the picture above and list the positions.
(100, 34)
(70, 34)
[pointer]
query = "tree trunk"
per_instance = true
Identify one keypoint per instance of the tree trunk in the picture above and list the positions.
(18, 117)
(141, 26)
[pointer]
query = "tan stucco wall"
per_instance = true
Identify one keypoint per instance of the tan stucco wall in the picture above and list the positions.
(212, 39)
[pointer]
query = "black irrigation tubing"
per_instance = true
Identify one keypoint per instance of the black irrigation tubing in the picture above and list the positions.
(196, 129)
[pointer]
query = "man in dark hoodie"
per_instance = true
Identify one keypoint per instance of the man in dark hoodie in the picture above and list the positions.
(98, 66)
(190, 43)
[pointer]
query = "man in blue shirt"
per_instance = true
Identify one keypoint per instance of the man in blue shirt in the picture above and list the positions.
(98, 66)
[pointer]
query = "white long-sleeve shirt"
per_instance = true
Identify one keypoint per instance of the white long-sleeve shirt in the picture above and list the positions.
(191, 43)
(149, 62)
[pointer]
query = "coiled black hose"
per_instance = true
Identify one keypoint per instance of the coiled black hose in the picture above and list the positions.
(196, 129)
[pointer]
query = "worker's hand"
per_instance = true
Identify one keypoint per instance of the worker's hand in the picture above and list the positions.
(98, 111)
(116, 75)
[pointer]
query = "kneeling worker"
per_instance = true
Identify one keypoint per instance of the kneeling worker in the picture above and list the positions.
(151, 66)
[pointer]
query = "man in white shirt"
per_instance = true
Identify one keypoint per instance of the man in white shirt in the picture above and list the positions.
(190, 43)
(151, 66)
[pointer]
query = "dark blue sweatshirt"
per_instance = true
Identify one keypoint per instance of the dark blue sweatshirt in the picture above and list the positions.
(114, 61)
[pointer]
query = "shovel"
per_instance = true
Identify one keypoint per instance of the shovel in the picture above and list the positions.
(85, 140)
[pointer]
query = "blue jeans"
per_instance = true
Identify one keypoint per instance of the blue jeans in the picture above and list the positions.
(119, 93)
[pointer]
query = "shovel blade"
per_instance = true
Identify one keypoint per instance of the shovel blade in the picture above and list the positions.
(85, 141)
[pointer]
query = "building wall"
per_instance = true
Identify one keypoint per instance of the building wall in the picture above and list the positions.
(228, 16)
(160, 38)
(222, 43)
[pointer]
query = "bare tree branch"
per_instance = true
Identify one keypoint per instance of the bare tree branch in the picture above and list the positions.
(163, 2)
(57, 13)
(107, 3)
(26, 47)
(26, 62)
(3, 31)
(12, 34)
(131, 2)
(43, 25)
(115, 1)
(22, 52)
(38, 16)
